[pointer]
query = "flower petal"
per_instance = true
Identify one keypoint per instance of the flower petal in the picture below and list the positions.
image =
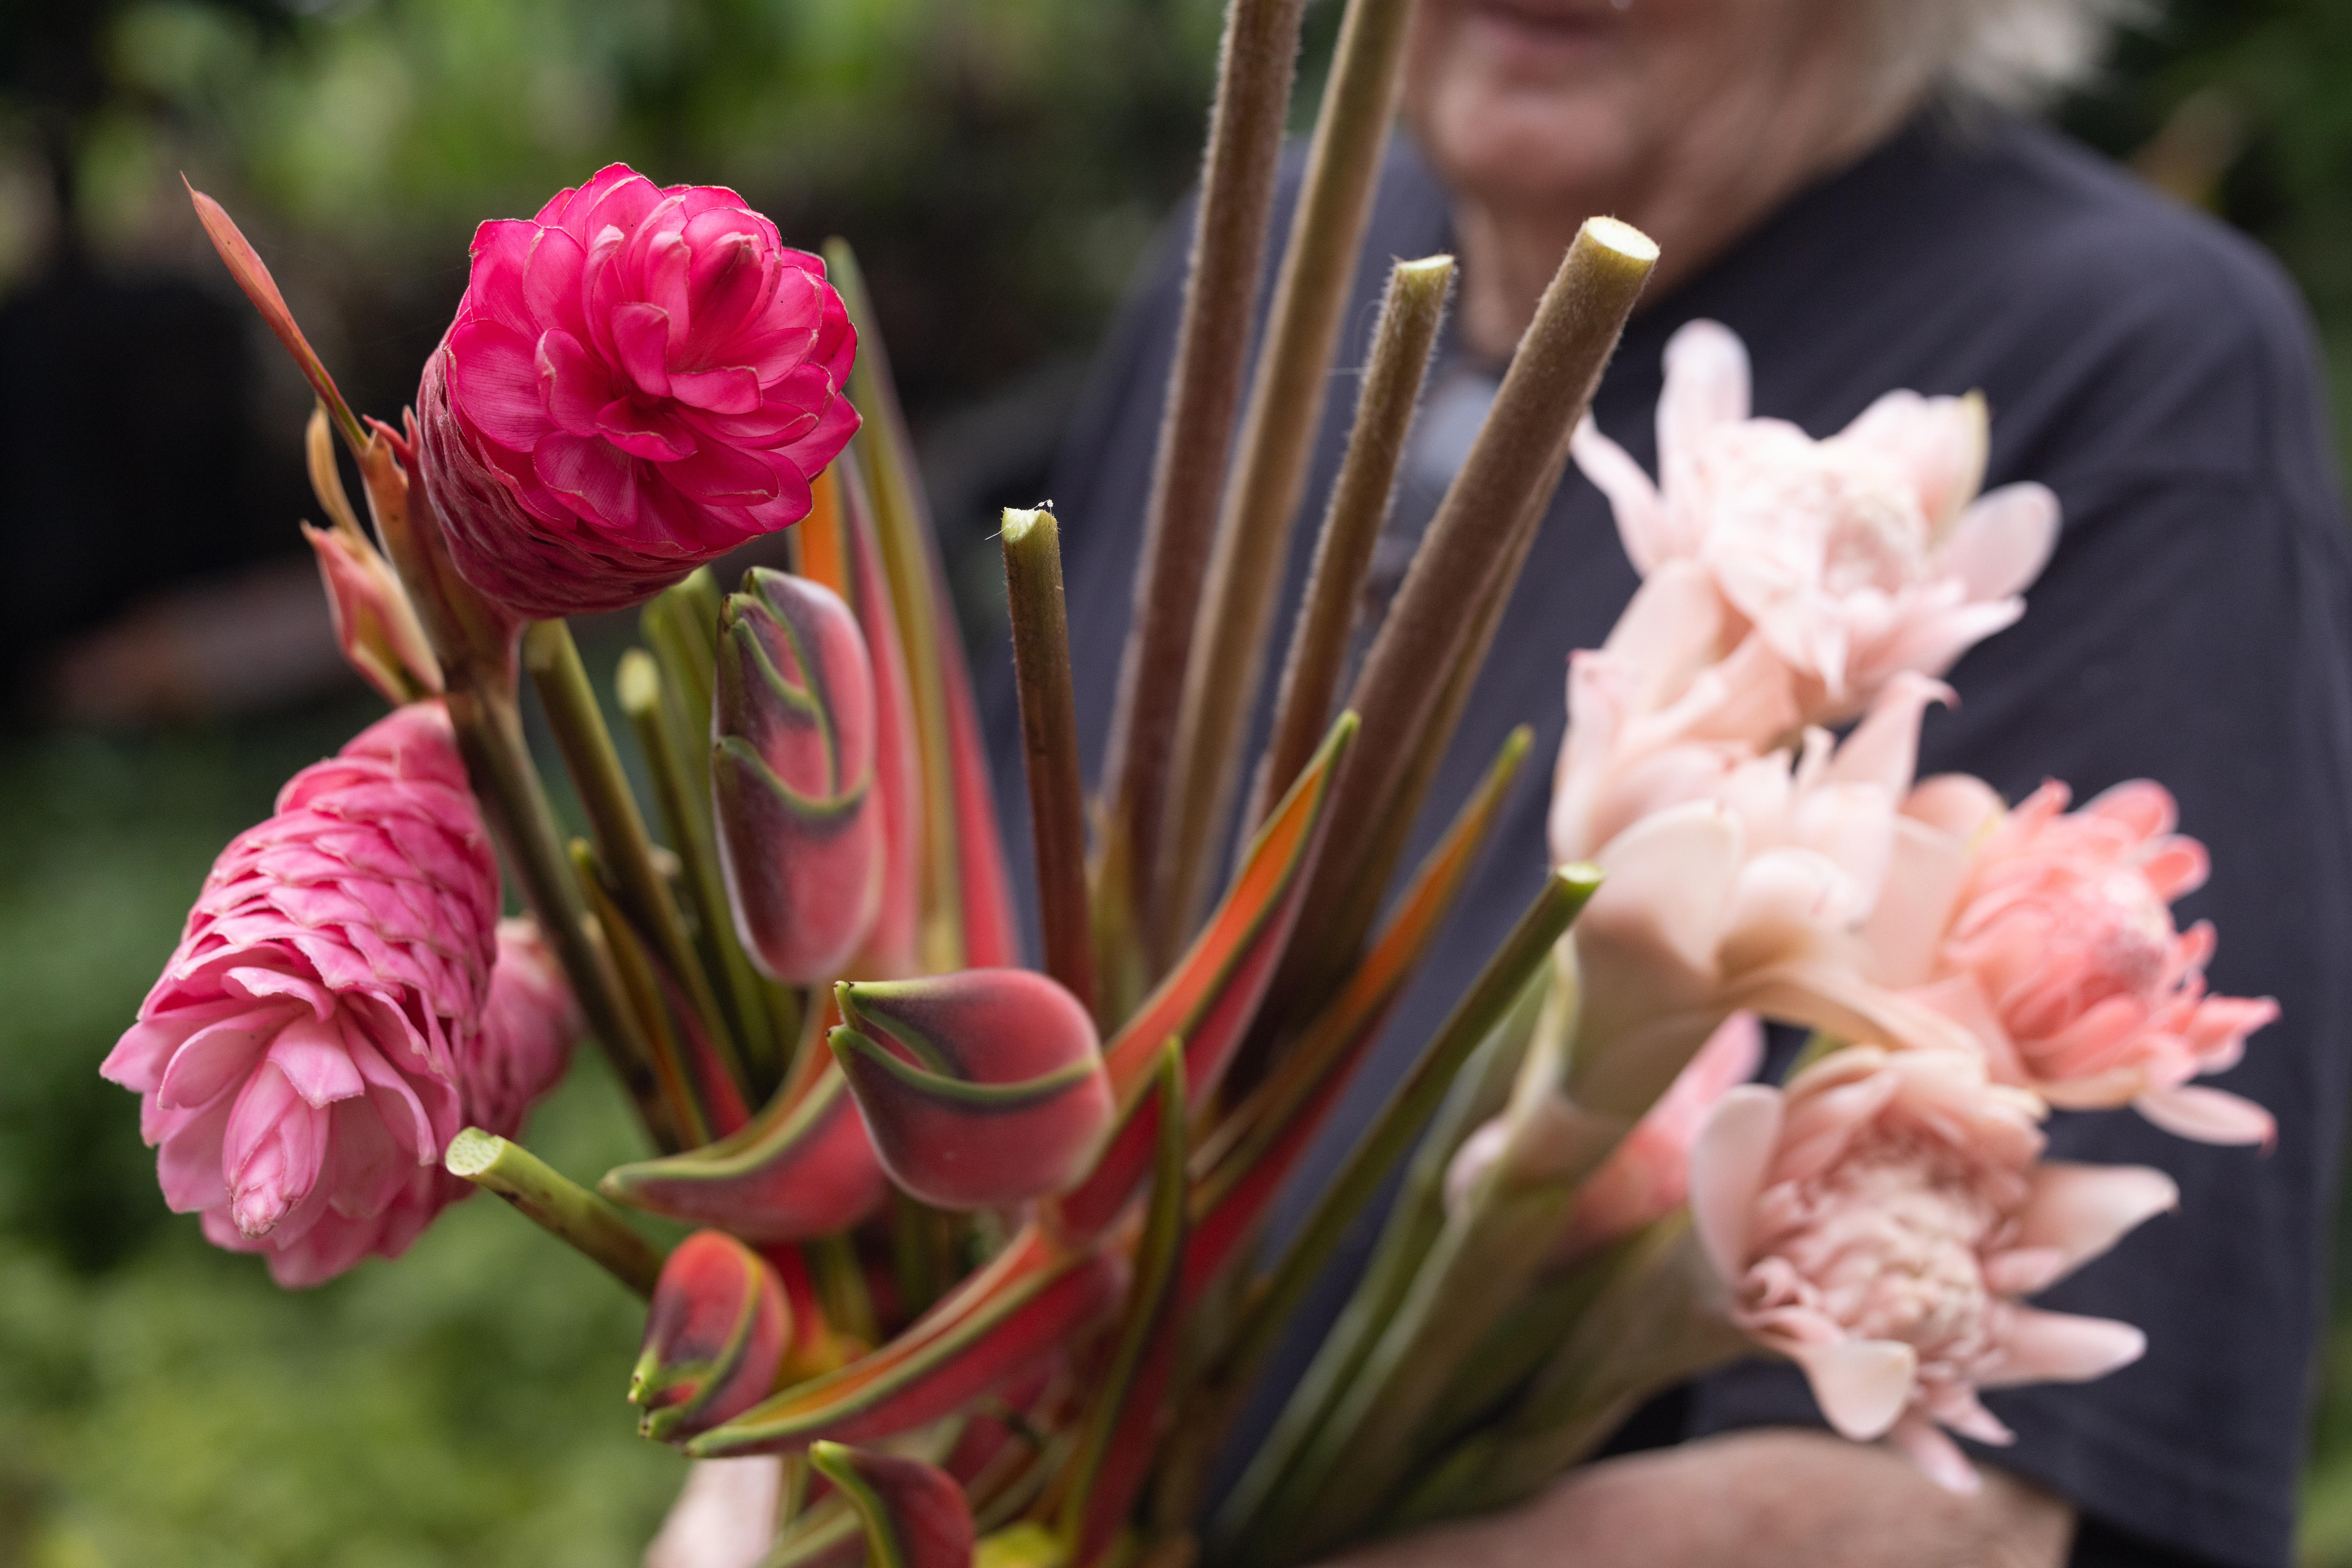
(1862, 1385)
(2002, 542)
(1728, 1164)
(2083, 1210)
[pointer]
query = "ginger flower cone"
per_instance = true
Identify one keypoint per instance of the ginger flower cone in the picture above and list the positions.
(2049, 936)
(1853, 558)
(1879, 1222)
(638, 379)
(314, 1041)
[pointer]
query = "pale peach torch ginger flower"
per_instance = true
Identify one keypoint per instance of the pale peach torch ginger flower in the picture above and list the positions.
(321, 1033)
(638, 380)
(1877, 1223)
(1854, 557)
(2048, 934)
(1755, 895)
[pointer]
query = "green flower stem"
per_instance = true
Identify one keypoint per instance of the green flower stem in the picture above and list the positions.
(1488, 1003)
(1360, 504)
(475, 641)
(560, 1206)
(1477, 542)
(1259, 55)
(642, 985)
(1049, 746)
(1478, 1092)
(646, 701)
(1279, 423)
(553, 661)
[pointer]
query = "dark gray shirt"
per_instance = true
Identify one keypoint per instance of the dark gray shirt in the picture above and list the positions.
(2157, 370)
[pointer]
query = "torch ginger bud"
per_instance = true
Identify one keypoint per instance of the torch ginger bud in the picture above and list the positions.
(715, 1338)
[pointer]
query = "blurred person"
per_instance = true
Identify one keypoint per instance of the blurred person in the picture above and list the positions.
(1853, 187)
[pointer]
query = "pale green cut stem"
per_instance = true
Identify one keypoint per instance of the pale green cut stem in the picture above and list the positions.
(682, 625)
(1410, 315)
(1473, 551)
(1400, 1119)
(680, 1088)
(1049, 746)
(1255, 68)
(639, 688)
(558, 1205)
(1279, 423)
(622, 844)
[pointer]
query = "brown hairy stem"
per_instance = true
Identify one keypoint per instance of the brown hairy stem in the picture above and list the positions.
(1278, 427)
(1259, 55)
(1359, 505)
(1478, 540)
(1049, 744)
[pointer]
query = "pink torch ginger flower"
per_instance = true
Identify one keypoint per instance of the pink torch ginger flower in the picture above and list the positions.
(305, 1056)
(1855, 557)
(638, 380)
(1877, 1223)
(2058, 950)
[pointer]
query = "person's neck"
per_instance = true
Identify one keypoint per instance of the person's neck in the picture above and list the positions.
(1511, 247)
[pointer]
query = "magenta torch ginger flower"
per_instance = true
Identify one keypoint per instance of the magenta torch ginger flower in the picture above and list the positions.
(1877, 1223)
(304, 1058)
(1855, 557)
(2054, 943)
(638, 380)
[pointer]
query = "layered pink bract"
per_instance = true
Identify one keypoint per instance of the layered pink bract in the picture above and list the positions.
(1877, 1223)
(2062, 955)
(638, 380)
(1852, 558)
(318, 1036)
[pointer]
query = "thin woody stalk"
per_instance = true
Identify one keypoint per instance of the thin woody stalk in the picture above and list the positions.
(1259, 55)
(1279, 423)
(643, 987)
(558, 1205)
(553, 660)
(1049, 744)
(476, 643)
(1474, 548)
(1359, 505)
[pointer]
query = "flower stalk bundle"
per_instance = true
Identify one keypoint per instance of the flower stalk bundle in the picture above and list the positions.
(963, 1260)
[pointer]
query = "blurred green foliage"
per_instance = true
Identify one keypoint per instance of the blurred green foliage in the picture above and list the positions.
(1000, 164)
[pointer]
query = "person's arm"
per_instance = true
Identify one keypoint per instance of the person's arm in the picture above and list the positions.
(1769, 1498)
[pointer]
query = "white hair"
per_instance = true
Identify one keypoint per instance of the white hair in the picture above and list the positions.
(2017, 53)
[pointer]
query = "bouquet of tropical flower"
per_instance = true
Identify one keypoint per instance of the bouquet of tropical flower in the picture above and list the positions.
(949, 1259)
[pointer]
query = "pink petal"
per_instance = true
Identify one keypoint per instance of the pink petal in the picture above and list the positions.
(1727, 1165)
(551, 284)
(494, 381)
(730, 389)
(2063, 1347)
(311, 1055)
(2083, 1210)
(725, 474)
(1862, 1385)
(574, 383)
(651, 433)
(2208, 1115)
(641, 336)
(1935, 1455)
(2001, 543)
(1640, 513)
(1707, 385)
(216, 1056)
(501, 256)
(586, 469)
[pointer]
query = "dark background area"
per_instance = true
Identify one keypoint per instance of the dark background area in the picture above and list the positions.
(1000, 166)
